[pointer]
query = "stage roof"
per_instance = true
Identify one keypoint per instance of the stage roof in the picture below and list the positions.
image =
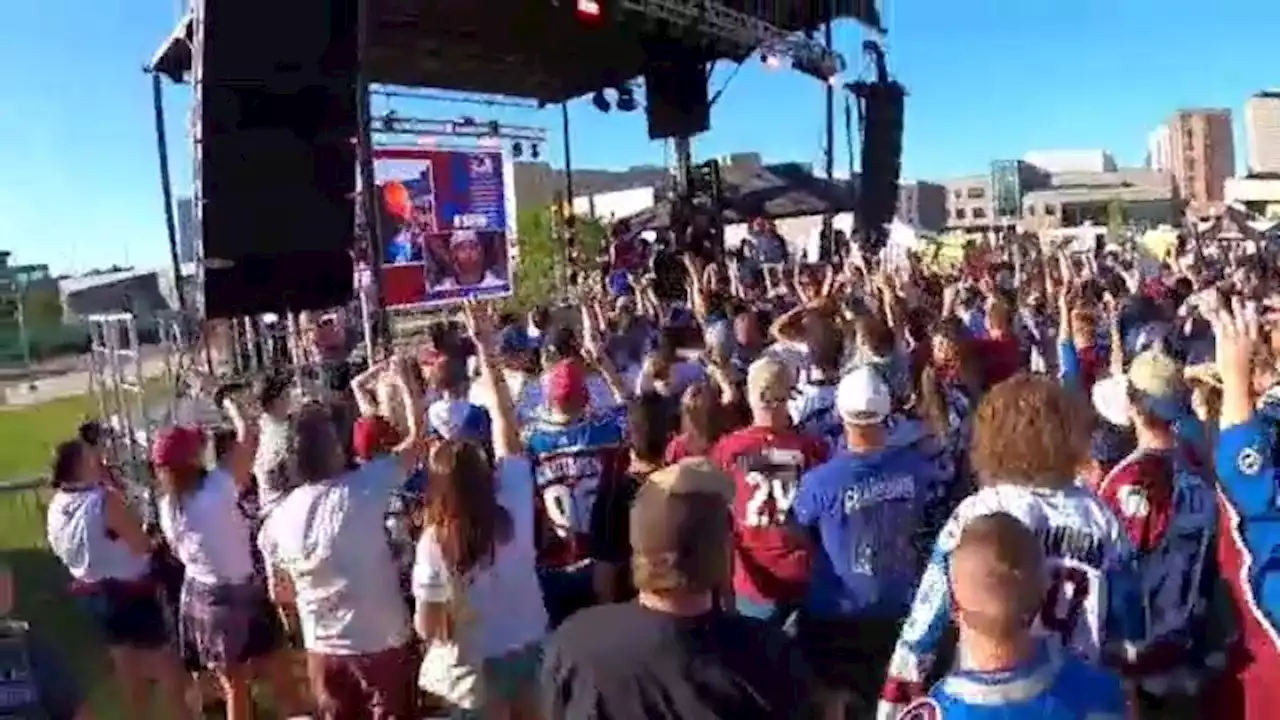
(538, 49)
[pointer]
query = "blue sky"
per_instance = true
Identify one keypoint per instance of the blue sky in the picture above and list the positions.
(988, 79)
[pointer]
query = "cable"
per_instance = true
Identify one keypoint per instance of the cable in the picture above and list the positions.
(725, 86)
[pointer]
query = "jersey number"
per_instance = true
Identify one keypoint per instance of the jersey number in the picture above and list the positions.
(1068, 591)
(569, 508)
(770, 500)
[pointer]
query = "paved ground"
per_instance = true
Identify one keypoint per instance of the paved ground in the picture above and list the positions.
(67, 378)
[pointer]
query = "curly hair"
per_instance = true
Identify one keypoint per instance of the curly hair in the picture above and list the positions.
(1031, 431)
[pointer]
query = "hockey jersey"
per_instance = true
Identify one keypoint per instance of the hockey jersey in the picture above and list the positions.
(1054, 686)
(1093, 598)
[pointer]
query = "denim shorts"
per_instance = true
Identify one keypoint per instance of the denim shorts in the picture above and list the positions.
(127, 616)
(509, 677)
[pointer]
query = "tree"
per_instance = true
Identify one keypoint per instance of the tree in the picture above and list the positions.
(542, 256)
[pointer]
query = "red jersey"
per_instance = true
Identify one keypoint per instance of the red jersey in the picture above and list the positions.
(770, 563)
(1001, 359)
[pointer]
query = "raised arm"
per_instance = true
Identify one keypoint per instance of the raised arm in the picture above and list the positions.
(506, 430)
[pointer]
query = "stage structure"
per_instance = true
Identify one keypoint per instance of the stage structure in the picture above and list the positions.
(550, 51)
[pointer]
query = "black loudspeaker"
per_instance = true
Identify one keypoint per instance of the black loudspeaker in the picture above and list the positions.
(881, 160)
(277, 159)
(676, 100)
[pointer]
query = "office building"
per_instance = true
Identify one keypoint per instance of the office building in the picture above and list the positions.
(1063, 161)
(1160, 149)
(1262, 132)
(1203, 156)
(1145, 197)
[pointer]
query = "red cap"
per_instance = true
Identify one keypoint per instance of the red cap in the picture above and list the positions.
(566, 384)
(373, 435)
(177, 447)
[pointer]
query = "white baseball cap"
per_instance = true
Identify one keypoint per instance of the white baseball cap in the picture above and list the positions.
(863, 397)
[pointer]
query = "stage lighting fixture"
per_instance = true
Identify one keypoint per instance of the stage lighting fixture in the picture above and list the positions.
(534, 151)
(494, 127)
(626, 99)
(600, 101)
(517, 150)
(771, 61)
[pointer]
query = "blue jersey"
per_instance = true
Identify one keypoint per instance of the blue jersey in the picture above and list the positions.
(868, 511)
(1246, 466)
(1094, 596)
(573, 462)
(1055, 686)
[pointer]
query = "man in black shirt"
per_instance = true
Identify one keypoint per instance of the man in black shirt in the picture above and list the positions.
(672, 654)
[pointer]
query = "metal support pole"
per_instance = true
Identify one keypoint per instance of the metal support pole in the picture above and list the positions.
(684, 163)
(368, 186)
(826, 246)
(568, 153)
(166, 188)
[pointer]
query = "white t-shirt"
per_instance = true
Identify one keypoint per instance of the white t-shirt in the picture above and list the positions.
(270, 470)
(330, 537)
(503, 600)
(488, 280)
(76, 524)
(207, 531)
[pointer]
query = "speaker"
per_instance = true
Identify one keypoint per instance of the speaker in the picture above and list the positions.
(881, 160)
(676, 101)
(277, 165)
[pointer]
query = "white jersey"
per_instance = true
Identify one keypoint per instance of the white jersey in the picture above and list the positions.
(1091, 600)
(813, 409)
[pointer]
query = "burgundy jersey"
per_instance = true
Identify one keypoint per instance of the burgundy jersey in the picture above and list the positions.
(770, 563)
(572, 464)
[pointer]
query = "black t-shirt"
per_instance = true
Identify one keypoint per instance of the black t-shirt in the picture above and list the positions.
(611, 530)
(627, 662)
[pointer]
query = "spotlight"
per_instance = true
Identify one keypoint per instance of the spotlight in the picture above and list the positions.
(534, 151)
(600, 101)
(626, 99)
(517, 150)
(771, 61)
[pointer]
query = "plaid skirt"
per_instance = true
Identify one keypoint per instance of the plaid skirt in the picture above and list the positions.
(227, 625)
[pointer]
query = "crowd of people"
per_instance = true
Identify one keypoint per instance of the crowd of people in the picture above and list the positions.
(1038, 485)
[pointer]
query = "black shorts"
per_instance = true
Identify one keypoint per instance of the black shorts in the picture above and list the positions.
(127, 616)
(848, 655)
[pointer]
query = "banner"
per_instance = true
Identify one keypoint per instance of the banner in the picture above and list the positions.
(448, 221)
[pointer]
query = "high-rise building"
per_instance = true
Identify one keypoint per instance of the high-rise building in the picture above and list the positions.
(1160, 149)
(1262, 132)
(1203, 155)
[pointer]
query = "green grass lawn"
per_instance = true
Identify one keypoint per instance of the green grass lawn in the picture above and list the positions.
(27, 438)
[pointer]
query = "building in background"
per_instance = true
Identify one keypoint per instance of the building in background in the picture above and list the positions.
(1062, 161)
(979, 203)
(1262, 132)
(1142, 197)
(970, 203)
(923, 205)
(1160, 149)
(1203, 156)
(1259, 195)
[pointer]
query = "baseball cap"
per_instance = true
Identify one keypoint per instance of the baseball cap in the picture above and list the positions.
(178, 446)
(678, 533)
(566, 384)
(514, 340)
(863, 397)
(371, 436)
(1154, 380)
(770, 381)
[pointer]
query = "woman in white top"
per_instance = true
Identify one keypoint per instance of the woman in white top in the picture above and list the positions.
(326, 549)
(225, 617)
(474, 579)
(99, 539)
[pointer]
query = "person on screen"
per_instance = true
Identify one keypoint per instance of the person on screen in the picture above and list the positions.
(418, 215)
(466, 253)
